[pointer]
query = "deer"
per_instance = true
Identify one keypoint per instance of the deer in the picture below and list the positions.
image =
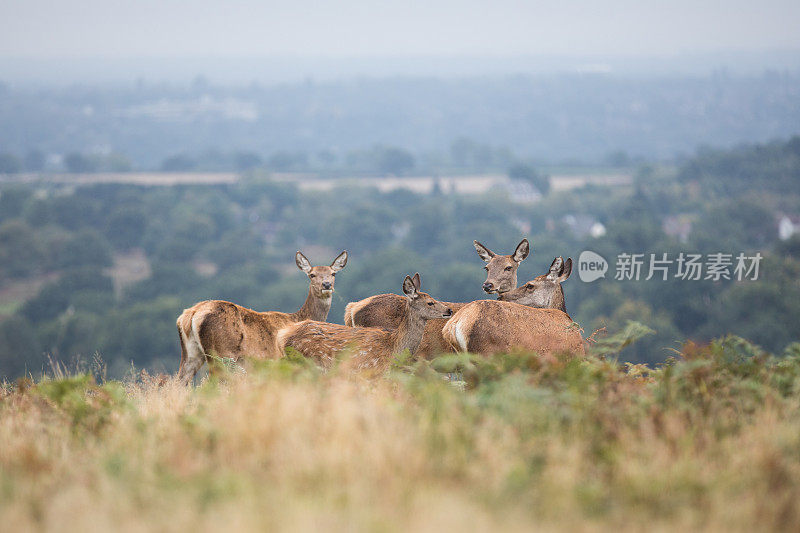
(372, 347)
(543, 291)
(386, 310)
(532, 317)
(224, 329)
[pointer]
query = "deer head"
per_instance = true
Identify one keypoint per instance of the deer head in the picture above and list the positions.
(501, 270)
(545, 290)
(322, 277)
(421, 303)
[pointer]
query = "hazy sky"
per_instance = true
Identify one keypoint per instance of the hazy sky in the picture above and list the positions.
(114, 28)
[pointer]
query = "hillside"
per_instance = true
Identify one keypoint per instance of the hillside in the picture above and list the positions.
(708, 442)
(85, 269)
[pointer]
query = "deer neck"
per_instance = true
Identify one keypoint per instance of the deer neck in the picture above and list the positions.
(408, 334)
(513, 285)
(558, 302)
(314, 308)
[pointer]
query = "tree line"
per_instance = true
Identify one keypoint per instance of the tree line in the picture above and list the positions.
(237, 241)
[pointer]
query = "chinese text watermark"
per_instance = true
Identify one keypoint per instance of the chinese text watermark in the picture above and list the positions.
(663, 266)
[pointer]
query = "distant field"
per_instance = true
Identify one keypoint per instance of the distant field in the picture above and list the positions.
(15, 293)
(462, 184)
(138, 178)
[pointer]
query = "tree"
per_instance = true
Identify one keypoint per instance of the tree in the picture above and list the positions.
(56, 297)
(126, 227)
(246, 161)
(79, 163)
(178, 163)
(521, 171)
(618, 158)
(35, 161)
(361, 228)
(117, 163)
(21, 252)
(283, 161)
(19, 349)
(9, 163)
(13, 200)
(395, 161)
(142, 333)
(85, 248)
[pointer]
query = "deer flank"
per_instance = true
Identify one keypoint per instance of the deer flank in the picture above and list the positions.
(385, 310)
(224, 329)
(372, 348)
(492, 326)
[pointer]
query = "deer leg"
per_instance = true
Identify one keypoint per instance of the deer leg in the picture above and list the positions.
(194, 361)
(190, 369)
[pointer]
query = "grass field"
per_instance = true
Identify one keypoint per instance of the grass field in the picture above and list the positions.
(709, 441)
(562, 179)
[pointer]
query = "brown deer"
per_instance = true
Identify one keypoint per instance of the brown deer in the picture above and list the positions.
(372, 348)
(386, 310)
(224, 329)
(532, 317)
(543, 291)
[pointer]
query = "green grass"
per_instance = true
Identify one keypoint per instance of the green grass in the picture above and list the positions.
(707, 441)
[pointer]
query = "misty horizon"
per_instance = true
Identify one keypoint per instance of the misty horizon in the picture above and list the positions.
(245, 69)
(243, 40)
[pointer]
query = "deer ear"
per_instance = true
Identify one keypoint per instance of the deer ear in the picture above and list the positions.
(523, 248)
(302, 262)
(340, 262)
(556, 267)
(565, 273)
(408, 288)
(485, 253)
(417, 281)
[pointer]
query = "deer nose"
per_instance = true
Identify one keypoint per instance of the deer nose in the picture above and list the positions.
(326, 285)
(448, 312)
(488, 286)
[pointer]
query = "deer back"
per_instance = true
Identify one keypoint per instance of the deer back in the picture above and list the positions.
(386, 311)
(322, 342)
(492, 326)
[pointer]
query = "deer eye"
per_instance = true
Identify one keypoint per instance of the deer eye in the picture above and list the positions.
(430, 303)
(312, 275)
(333, 274)
(507, 269)
(530, 285)
(486, 268)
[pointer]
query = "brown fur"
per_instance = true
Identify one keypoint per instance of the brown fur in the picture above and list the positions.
(372, 347)
(381, 311)
(385, 310)
(224, 329)
(491, 326)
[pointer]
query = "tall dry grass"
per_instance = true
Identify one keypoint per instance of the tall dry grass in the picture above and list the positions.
(708, 442)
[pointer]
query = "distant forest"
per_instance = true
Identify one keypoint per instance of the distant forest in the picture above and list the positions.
(397, 125)
(106, 269)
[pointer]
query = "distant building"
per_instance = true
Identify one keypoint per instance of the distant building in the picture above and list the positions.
(678, 226)
(788, 225)
(521, 192)
(400, 230)
(597, 230)
(524, 226)
(584, 225)
(177, 110)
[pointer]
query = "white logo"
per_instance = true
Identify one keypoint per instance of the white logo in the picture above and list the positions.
(591, 266)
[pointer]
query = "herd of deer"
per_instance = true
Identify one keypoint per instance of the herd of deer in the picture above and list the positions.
(531, 317)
